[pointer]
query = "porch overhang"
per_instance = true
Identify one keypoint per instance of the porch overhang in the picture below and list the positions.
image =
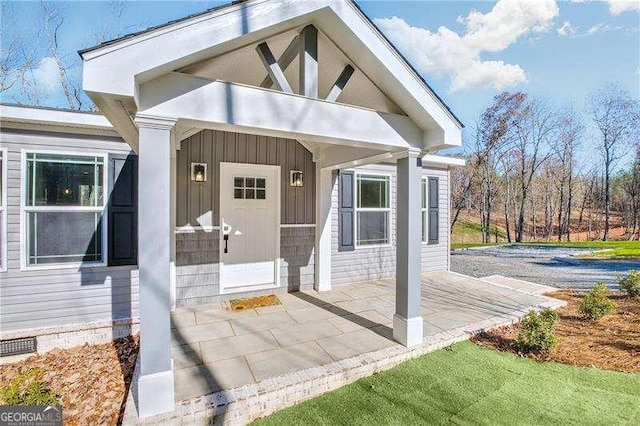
(221, 105)
(114, 74)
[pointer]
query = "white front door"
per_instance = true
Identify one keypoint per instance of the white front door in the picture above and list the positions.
(250, 227)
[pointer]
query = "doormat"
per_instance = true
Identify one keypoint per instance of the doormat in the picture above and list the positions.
(254, 302)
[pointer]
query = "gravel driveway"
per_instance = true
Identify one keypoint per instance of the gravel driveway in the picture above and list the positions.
(539, 264)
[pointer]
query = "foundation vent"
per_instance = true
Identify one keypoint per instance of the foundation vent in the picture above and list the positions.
(25, 345)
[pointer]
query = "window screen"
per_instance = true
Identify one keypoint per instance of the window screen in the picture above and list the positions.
(372, 210)
(63, 209)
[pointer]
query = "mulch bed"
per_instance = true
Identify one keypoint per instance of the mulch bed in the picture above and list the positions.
(92, 380)
(613, 343)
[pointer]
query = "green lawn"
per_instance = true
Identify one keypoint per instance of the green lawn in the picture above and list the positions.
(615, 249)
(468, 384)
(466, 233)
(455, 246)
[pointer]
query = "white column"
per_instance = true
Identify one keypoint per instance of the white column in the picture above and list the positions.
(155, 385)
(407, 321)
(174, 167)
(324, 186)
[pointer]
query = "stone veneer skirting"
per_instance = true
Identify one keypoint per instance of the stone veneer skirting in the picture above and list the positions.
(69, 336)
(198, 269)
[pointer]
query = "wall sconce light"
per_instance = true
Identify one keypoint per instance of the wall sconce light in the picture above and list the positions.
(199, 172)
(295, 178)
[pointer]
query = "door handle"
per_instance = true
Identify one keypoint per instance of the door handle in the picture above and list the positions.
(226, 243)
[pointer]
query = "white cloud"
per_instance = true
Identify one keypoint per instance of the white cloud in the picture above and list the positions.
(596, 28)
(566, 29)
(47, 75)
(601, 27)
(445, 52)
(616, 7)
(38, 83)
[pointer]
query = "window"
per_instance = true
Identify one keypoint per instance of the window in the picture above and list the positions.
(249, 188)
(64, 202)
(372, 210)
(425, 210)
(3, 215)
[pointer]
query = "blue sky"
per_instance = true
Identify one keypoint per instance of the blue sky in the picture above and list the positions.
(467, 51)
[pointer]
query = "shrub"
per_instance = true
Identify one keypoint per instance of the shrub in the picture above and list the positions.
(29, 388)
(537, 332)
(596, 304)
(630, 283)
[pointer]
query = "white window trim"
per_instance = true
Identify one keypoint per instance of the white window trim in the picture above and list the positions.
(3, 211)
(357, 209)
(24, 209)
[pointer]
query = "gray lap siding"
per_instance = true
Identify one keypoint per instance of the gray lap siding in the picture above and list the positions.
(373, 263)
(34, 298)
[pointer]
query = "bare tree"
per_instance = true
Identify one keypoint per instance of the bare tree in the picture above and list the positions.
(53, 21)
(492, 136)
(564, 147)
(462, 180)
(15, 56)
(615, 114)
(533, 127)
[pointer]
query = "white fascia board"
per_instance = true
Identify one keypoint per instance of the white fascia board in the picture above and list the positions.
(441, 160)
(116, 69)
(17, 116)
(362, 43)
(222, 105)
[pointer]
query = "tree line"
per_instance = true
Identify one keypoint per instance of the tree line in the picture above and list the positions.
(537, 172)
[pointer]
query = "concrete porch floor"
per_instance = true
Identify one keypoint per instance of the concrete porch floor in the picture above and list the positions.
(230, 356)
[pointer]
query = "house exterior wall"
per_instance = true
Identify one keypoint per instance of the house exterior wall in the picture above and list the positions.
(198, 220)
(58, 296)
(373, 263)
(198, 202)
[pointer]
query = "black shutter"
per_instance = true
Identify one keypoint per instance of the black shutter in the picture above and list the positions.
(434, 214)
(345, 211)
(122, 209)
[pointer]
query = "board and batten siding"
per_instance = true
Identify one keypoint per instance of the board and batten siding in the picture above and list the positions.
(198, 202)
(379, 262)
(36, 298)
(197, 239)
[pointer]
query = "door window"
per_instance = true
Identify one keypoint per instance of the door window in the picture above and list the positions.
(249, 188)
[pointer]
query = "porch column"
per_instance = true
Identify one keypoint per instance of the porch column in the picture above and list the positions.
(324, 186)
(407, 322)
(155, 385)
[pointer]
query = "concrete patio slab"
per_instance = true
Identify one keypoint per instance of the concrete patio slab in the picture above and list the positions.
(351, 344)
(305, 332)
(200, 333)
(201, 379)
(261, 322)
(286, 360)
(235, 346)
(242, 365)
